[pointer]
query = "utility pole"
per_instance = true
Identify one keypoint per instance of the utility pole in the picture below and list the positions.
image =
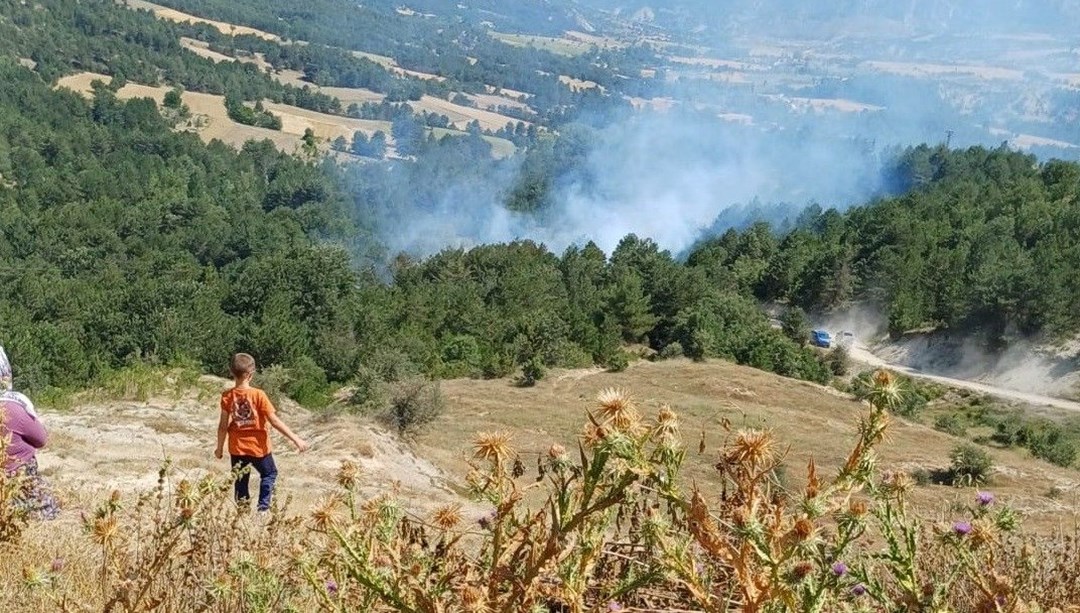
(948, 138)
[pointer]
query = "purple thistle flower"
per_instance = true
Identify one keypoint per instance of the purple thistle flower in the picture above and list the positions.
(962, 528)
(858, 590)
(57, 565)
(331, 587)
(839, 569)
(985, 499)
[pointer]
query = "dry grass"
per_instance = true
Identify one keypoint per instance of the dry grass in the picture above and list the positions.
(559, 46)
(347, 95)
(615, 530)
(819, 105)
(815, 421)
(162, 12)
(202, 49)
(579, 84)
(936, 70)
(460, 116)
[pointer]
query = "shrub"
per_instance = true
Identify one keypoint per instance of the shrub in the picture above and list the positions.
(1051, 443)
(970, 465)
(569, 354)
(796, 325)
(173, 98)
(950, 423)
(273, 380)
(369, 390)
(671, 350)
(532, 371)
(414, 403)
(618, 362)
(838, 361)
(922, 476)
(460, 357)
(306, 383)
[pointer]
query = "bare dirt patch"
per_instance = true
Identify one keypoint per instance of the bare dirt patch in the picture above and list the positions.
(102, 446)
(653, 104)
(579, 84)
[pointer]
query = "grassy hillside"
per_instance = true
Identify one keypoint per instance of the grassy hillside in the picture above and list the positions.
(813, 421)
(359, 487)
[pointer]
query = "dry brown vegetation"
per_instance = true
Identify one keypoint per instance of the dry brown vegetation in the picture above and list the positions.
(816, 421)
(608, 523)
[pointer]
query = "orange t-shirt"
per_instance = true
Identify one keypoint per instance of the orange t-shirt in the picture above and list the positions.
(249, 412)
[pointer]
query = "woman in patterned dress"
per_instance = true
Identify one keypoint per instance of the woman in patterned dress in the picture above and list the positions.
(25, 434)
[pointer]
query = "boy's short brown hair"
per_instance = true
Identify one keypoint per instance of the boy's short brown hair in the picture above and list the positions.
(241, 364)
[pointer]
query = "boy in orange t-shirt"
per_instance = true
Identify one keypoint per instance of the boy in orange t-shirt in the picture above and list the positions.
(246, 412)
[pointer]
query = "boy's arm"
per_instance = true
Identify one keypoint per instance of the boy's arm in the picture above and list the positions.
(275, 421)
(222, 431)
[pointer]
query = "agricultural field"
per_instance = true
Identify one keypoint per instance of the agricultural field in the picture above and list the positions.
(211, 122)
(163, 12)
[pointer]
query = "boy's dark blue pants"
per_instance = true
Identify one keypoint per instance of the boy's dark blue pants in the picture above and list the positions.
(267, 475)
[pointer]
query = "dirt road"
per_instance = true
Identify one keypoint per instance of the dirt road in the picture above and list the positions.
(861, 353)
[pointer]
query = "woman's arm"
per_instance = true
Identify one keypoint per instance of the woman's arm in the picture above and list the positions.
(24, 425)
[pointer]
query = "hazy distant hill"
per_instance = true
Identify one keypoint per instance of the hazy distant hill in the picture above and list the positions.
(828, 18)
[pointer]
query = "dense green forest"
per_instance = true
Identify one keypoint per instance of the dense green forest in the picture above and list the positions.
(982, 240)
(124, 241)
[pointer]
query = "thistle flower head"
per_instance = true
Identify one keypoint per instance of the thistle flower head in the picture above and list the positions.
(323, 514)
(348, 474)
(493, 447)
(886, 391)
(616, 408)
(448, 516)
(801, 571)
(753, 448)
(556, 451)
(667, 423)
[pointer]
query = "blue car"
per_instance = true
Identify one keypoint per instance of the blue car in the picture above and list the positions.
(821, 338)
